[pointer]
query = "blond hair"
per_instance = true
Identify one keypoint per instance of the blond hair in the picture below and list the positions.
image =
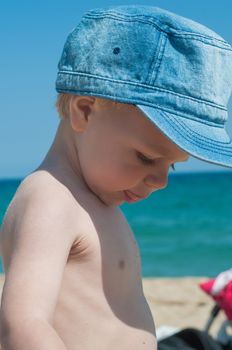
(63, 101)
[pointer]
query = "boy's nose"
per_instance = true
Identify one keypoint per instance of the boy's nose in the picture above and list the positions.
(157, 182)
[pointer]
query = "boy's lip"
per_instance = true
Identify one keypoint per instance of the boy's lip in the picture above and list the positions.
(132, 197)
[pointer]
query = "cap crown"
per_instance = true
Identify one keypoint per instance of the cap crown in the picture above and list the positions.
(150, 56)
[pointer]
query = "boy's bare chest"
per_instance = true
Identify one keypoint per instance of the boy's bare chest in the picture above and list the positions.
(108, 244)
(102, 288)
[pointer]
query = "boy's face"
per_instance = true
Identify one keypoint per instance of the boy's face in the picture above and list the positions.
(121, 150)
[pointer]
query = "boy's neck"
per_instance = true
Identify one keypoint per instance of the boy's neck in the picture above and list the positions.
(62, 159)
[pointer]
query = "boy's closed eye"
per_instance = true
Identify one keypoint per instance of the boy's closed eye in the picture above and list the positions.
(147, 161)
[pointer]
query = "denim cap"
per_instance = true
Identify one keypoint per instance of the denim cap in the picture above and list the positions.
(176, 71)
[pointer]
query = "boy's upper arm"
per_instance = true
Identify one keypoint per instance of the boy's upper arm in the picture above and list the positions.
(42, 239)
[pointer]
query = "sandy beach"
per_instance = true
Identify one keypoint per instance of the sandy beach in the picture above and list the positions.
(177, 302)
(180, 303)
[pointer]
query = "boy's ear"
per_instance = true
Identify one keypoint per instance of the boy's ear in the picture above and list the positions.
(80, 109)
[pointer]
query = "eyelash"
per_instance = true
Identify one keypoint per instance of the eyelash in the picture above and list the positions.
(173, 167)
(144, 159)
(148, 161)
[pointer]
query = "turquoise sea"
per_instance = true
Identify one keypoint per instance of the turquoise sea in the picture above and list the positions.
(184, 230)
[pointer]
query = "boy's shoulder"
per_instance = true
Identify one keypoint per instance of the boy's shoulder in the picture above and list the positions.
(41, 182)
(38, 195)
(42, 185)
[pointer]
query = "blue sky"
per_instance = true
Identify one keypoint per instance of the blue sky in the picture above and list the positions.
(32, 38)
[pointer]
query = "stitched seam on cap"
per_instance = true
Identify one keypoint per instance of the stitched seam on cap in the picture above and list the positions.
(198, 100)
(156, 54)
(202, 145)
(137, 101)
(202, 140)
(185, 115)
(191, 131)
(149, 17)
(159, 56)
(194, 36)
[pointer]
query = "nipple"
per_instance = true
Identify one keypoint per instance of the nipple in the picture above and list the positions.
(121, 264)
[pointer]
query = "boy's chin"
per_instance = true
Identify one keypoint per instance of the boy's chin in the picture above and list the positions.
(112, 199)
(112, 202)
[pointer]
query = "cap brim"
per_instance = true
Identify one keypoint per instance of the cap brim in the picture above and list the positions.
(204, 140)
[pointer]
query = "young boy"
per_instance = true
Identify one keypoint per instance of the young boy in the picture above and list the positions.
(140, 89)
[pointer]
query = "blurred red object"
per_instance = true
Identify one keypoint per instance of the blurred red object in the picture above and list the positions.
(220, 289)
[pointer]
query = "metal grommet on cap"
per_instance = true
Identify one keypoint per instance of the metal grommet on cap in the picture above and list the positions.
(116, 50)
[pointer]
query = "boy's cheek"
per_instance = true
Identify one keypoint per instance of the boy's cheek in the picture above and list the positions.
(109, 177)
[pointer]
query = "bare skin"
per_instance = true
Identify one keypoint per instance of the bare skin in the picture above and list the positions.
(72, 265)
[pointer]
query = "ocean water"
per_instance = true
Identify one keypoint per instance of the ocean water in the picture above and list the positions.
(184, 230)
